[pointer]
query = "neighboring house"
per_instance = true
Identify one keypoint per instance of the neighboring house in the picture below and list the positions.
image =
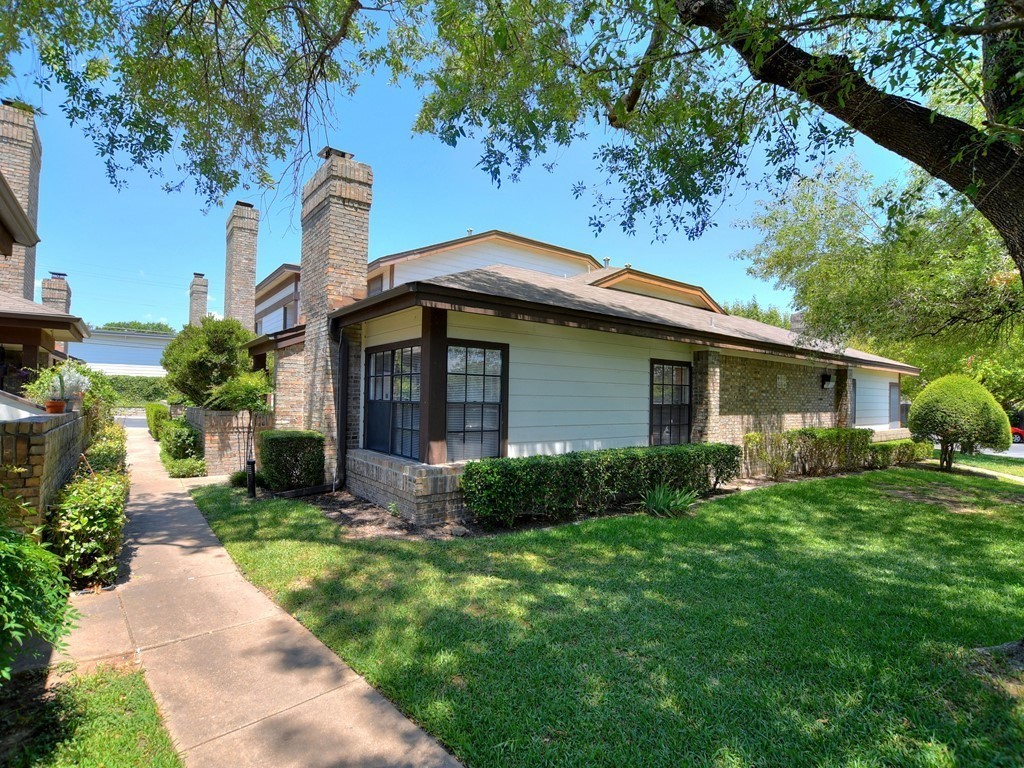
(277, 300)
(123, 352)
(498, 345)
(32, 335)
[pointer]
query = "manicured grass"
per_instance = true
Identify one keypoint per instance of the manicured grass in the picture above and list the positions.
(1005, 464)
(107, 719)
(827, 622)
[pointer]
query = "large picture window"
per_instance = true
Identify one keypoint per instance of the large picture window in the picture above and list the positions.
(670, 402)
(475, 401)
(393, 401)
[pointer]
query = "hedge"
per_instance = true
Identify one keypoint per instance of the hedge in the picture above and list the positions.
(291, 458)
(137, 391)
(86, 526)
(180, 439)
(156, 415)
(590, 482)
(190, 466)
(890, 452)
(108, 450)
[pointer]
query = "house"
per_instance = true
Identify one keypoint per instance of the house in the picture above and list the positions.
(32, 334)
(123, 352)
(494, 344)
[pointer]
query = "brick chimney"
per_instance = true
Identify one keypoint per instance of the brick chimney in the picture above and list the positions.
(796, 323)
(240, 264)
(335, 245)
(198, 290)
(57, 294)
(21, 156)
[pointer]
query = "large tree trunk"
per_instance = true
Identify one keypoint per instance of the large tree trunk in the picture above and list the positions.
(991, 175)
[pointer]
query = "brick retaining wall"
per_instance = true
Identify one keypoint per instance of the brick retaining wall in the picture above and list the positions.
(224, 437)
(422, 493)
(38, 455)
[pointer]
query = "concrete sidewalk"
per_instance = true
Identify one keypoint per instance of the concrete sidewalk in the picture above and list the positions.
(238, 681)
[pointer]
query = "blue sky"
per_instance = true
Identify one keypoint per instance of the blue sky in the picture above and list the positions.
(130, 254)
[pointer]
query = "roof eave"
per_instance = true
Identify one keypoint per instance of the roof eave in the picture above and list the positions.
(14, 218)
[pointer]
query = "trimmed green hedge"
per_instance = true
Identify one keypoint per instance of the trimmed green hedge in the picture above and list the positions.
(136, 391)
(156, 415)
(180, 439)
(108, 450)
(890, 452)
(190, 466)
(590, 482)
(291, 458)
(86, 527)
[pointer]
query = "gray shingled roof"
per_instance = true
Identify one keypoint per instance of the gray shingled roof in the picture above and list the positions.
(525, 285)
(43, 316)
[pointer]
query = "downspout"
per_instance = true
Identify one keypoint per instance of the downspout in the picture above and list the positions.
(340, 401)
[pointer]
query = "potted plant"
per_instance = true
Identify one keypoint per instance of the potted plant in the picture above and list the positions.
(75, 385)
(57, 400)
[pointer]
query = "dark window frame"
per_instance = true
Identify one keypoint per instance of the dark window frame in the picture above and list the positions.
(370, 351)
(651, 404)
(504, 378)
(853, 402)
(372, 288)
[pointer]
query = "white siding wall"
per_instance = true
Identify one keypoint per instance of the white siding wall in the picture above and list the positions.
(873, 397)
(122, 354)
(486, 254)
(399, 326)
(272, 322)
(571, 389)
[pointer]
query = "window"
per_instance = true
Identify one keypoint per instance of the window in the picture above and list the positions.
(284, 317)
(476, 401)
(393, 401)
(670, 403)
(375, 285)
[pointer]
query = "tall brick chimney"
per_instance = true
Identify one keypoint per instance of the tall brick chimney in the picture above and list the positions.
(57, 294)
(21, 157)
(198, 290)
(335, 245)
(240, 264)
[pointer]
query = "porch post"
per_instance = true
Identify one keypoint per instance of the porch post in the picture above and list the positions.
(433, 392)
(705, 399)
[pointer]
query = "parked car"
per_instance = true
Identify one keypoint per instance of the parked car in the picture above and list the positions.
(1017, 434)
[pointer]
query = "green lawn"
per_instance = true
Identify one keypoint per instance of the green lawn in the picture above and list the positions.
(107, 719)
(1005, 464)
(827, 622)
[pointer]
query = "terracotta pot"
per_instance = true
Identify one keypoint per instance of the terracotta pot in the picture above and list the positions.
(55, 406)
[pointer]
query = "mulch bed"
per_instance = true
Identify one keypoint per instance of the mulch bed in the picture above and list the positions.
(365, 520)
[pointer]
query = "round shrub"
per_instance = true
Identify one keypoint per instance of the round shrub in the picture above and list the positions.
(956, 411)
(181, 440)
(291, 458)
(156, 415)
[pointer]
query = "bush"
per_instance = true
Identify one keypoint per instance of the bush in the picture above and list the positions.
(136, 391)
(187, 467)
(156, 415)
(109, 450)
(238, 480)
(180, 439)
(204, 356)
(665, 501)
(775, 451)
(956, 411)
(98, 397)
(33, 595)
(590, 482)
(822, 451)
(86, 526)
(291, 459)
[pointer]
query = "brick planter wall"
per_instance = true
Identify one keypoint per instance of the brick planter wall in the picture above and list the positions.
(224, 437)
(423, 493)
(47, 448)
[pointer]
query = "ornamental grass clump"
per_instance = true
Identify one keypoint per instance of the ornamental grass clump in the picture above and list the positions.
(956, 411)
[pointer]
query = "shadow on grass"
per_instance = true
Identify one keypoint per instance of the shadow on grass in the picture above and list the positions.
(818, 622)
(33, 720)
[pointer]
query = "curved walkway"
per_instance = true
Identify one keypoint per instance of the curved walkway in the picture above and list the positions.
(238, 681)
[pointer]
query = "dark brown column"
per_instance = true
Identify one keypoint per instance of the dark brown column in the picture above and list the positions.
(433, 387)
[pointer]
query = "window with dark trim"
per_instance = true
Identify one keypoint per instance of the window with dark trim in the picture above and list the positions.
(670, 402)
(375, 285)
(393, 401)
(476, 400)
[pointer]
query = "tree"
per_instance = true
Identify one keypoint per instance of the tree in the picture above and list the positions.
(957, 412)
(929, 282)
(137, 325)
(753, 310)
(689, 92)
(204, 356)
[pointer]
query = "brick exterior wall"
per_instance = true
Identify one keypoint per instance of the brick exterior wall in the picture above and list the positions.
(240, 264)
(46, 449)
(335, 246)
(21, 157)
(759, 395)
(422, 493)
(354, 337)
(290, 387)
(57, 294)
(224, 437)
(704, 395)
(198, 291)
